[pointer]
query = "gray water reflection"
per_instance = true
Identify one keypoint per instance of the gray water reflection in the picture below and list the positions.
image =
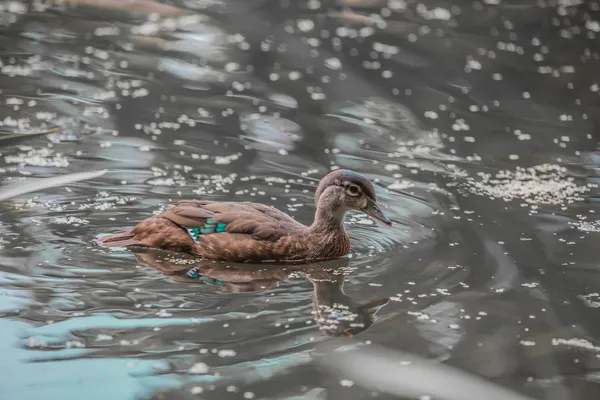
(489, 268)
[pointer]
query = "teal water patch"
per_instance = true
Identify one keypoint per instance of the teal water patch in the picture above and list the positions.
(109, 321)
(26, 372)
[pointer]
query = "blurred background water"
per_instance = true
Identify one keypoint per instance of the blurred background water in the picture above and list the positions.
(477, 120)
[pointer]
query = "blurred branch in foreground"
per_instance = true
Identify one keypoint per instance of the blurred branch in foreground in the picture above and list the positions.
(410, 376)
(14, 138)
(20, 188)
(139, 6)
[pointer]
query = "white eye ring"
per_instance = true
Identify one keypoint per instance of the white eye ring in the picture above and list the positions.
(353, 190)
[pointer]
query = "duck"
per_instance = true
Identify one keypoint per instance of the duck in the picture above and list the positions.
(254, 232)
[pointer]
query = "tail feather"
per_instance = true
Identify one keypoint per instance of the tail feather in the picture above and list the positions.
(122, 239)
(154, 232)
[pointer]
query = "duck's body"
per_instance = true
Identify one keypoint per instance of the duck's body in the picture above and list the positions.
(242, 231)
(231, 231)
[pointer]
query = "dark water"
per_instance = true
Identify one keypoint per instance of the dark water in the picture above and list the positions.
(477, 121)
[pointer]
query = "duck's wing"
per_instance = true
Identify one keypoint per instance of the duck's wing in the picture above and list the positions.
(229, 206)
(259, 221)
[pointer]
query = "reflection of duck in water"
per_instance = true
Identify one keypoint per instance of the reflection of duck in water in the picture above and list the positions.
(335, 312)
(241, 232)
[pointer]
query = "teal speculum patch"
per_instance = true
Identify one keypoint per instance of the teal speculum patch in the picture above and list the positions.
(209, 227)
(194, 233)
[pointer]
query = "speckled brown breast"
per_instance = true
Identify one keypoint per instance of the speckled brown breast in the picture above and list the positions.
(241, 248)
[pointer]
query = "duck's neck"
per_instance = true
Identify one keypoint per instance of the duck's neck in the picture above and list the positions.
(329, 217)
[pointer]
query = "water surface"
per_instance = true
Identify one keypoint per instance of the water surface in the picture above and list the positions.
(476, 121)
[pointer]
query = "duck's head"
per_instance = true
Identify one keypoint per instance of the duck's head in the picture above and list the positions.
(346, 190)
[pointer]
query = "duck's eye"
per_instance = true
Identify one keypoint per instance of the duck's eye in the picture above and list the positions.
(353, 190)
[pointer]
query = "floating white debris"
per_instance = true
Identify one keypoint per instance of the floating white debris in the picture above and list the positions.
(527, 343)
(69, 221)
(14, 101)
(585, 226)
(107, 31)
(575, 342)
(199, 368)
(530, 284)
(333, 63)
(43, 157)
(16, 7)
(305, 25)
(473, 64)
(540, 184)
(223, 160)
(163, 314)
(397, 4)
(197, 390)
(435, 13)
(592, 25)
(591, 300)
(401, 185)
(227, 353)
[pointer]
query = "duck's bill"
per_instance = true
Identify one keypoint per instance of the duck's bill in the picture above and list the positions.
(373, 211)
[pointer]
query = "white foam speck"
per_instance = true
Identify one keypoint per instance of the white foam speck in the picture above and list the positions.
(199, 368)
(333, 63)
(592, 25)
(227, 353)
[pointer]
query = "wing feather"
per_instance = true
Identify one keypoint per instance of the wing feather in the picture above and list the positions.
(259, 221)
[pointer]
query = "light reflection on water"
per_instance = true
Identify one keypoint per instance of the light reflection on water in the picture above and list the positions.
(250, 101)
